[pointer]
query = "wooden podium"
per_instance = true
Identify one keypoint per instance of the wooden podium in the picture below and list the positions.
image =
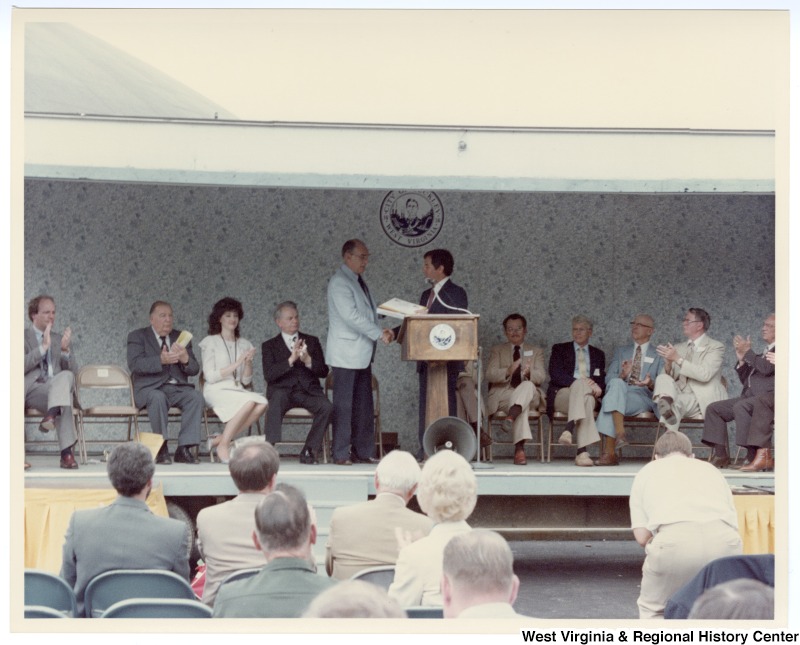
(438, 339)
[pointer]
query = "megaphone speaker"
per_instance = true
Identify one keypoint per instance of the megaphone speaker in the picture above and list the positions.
(450, 433)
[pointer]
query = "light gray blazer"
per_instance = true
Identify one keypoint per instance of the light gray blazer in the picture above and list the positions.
(352, 322)
(33, 358)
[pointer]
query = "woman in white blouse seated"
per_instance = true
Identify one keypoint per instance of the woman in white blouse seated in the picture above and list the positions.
(227, 368)
(447, 493)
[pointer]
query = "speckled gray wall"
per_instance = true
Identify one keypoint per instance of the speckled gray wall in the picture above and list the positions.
(105, 251)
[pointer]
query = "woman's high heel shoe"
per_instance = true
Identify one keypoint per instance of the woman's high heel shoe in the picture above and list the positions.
(211, 446)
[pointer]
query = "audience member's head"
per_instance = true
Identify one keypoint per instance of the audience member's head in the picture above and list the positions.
(354, 599)
(448, 489)
(477, 569)
(254, 467)
(285, 525)
(673, 442)
(740, 599)
(130, 468)
(398, 472)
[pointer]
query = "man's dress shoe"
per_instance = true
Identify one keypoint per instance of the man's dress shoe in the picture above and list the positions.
(307, 457)
(360, 460)
(47, 424)
(486, 440)
(163, 458)
(665, 410)
(68, 461)
(343, 462)
(720, 462)
(519, 457)
(184, 456)
(763, 461)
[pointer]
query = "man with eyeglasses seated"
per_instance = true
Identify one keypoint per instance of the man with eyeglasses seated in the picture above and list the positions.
(631, 379)
(692, 378)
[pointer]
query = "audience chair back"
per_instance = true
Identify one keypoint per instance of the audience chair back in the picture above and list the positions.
(379, 576)
(122, 584)
(376, 402)
(158, 608)
(106, 378)
(46, 589)
(425, 612)
(40, 611)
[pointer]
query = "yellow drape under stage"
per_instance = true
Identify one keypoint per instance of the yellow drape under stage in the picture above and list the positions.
(47, 513)
(756, 515)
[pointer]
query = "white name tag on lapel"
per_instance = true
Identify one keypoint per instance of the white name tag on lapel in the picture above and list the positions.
(596, 371)
(528, 352)
(648, 359)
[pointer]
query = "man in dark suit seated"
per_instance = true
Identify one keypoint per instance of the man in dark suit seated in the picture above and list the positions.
(293, 365)
(576, 385)
(285, 532)
(125, 534)
(757, 375)
(160, 368)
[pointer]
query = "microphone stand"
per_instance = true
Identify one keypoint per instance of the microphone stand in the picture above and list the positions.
(479, 465)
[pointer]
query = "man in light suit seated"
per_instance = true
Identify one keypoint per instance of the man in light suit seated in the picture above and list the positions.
(515, 372)
(225, 531)
(630, 381)
(478, 579)
(369, 534)
(285, 533)
(353, 332)
(125, 534)
(692, 377)
(50, 369)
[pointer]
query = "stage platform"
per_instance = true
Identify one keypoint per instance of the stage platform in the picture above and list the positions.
(540, 501)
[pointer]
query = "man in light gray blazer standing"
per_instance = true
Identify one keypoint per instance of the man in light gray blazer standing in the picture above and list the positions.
(630, 380)
(353, 332)
(125, 534)
(50, 369)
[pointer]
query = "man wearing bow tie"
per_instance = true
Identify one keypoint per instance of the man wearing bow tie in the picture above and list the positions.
(293, 365)
(692, 378)
(757, 375)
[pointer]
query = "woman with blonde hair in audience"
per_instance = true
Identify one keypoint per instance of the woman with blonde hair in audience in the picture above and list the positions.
(447, 493)
(227, 369)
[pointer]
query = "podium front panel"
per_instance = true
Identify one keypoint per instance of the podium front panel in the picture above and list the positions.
(440, 337)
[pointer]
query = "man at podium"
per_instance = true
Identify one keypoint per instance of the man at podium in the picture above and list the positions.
(443, 297)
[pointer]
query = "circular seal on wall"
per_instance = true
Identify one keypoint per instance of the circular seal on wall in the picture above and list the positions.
(442, 336)
(412, 218)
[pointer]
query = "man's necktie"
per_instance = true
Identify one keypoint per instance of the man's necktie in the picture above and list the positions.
(363, 286)
(636, 368)
(164, 343)
(582, 369)
(45, 365)
(516, 377)
(686, 359)
(431, 298)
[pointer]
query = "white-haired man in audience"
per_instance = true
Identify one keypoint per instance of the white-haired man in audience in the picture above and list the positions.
(478, 579)
(366, 534)
(125, 534)
(225, 531)
(285, 532)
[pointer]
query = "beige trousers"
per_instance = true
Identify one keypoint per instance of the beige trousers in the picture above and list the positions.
(578, 402)
(684, 402)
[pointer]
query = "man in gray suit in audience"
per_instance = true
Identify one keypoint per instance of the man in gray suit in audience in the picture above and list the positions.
(126, 534)
(225, 531)
(50, 370)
